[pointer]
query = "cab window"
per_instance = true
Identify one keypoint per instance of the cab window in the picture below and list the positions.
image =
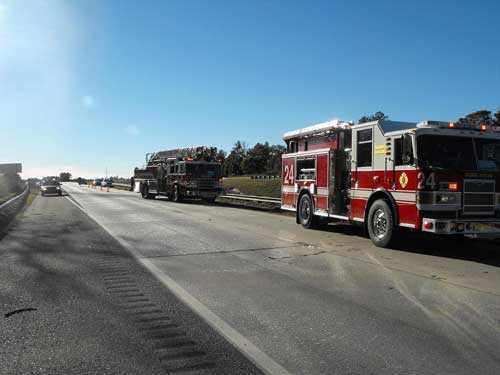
(364, 148)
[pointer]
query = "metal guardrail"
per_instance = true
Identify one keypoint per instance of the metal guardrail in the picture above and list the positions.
(255, 198)
(10, 208)
(243, 198)
(121, 186)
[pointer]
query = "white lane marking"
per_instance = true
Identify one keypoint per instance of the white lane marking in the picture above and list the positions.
(265, 363)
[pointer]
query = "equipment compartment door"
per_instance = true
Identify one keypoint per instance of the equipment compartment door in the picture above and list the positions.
(288, 193)
(322, 176)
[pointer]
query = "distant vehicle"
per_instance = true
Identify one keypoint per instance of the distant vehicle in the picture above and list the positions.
(98, 182)
(192, 172)
(50, 185)
(433, 176)
(107, 182)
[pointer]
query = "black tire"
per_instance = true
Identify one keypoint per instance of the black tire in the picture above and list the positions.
(177, 197)
(145, 192)
(380, 224)
(60, 193)
(305, 212)
(210, 200)
(43, 194)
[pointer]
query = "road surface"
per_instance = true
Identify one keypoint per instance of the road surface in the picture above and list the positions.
(317, 302)
(73, 301)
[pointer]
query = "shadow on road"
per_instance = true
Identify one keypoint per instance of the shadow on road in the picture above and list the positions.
(480, 251)
(474, 250)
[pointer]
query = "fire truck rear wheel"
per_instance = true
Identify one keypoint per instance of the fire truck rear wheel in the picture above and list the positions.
(306, 212)
(381, 223)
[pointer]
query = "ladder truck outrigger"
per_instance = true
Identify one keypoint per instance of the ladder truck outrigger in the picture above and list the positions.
(191, 172)
(431, 176)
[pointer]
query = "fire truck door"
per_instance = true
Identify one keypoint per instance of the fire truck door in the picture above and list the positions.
(339, 182)
(362, 166)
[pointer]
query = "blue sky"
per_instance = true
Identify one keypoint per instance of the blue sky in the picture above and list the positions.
(86, 85)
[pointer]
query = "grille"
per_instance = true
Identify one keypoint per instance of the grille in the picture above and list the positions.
(479, 197)
(206, 183)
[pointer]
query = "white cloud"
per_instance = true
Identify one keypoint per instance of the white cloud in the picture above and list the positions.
(89, 102)
(132, 130)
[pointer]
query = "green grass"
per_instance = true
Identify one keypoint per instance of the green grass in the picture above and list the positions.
(5, 190)
(248, 186)
(122, 187)
(5, 197)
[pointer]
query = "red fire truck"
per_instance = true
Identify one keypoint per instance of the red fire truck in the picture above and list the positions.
(191, 172)
(430, 176)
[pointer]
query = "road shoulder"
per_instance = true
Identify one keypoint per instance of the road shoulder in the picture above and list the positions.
(74, 301)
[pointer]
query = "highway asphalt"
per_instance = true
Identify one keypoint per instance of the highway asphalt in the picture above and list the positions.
(74, 301)
(308, 301)
(316, 301)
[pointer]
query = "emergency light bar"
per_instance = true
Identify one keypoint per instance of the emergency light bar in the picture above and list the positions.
(453, 125)
(434, 124)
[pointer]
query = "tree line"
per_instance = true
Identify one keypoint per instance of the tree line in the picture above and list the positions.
(262, 158)
(482, 117)
(265, 159)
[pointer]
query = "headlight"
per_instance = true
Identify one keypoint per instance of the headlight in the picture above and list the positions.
(58, 187)
(44, 188)
(446, 198)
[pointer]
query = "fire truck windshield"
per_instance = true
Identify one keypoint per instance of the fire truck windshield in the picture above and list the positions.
(202, 170)
(459, 153)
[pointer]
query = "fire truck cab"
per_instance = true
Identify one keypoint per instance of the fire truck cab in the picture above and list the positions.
(430, 176)
(190, 172)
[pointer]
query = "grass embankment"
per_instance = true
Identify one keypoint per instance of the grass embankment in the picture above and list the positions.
(249, 186)
(5, 190)
(122, 187)
(32, 195)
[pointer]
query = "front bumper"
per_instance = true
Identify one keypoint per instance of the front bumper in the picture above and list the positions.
(484, 227)
(195, 193)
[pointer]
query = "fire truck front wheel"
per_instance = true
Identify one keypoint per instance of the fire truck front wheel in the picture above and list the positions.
(306, 212)
(177, 196)
(145, 192)
(381, 223)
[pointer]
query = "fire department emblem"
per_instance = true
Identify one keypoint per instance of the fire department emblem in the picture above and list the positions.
(403, 180)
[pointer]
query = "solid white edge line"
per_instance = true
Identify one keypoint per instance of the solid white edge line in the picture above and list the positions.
(260, 359)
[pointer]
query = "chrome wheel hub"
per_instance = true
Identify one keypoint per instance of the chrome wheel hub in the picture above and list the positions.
(379, 223)
(305, 211)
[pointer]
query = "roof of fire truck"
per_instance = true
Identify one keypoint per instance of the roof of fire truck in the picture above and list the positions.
(317, 129)
(386, 126)
(204, 154)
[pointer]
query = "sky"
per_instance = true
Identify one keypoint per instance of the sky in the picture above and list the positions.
(88, 85)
